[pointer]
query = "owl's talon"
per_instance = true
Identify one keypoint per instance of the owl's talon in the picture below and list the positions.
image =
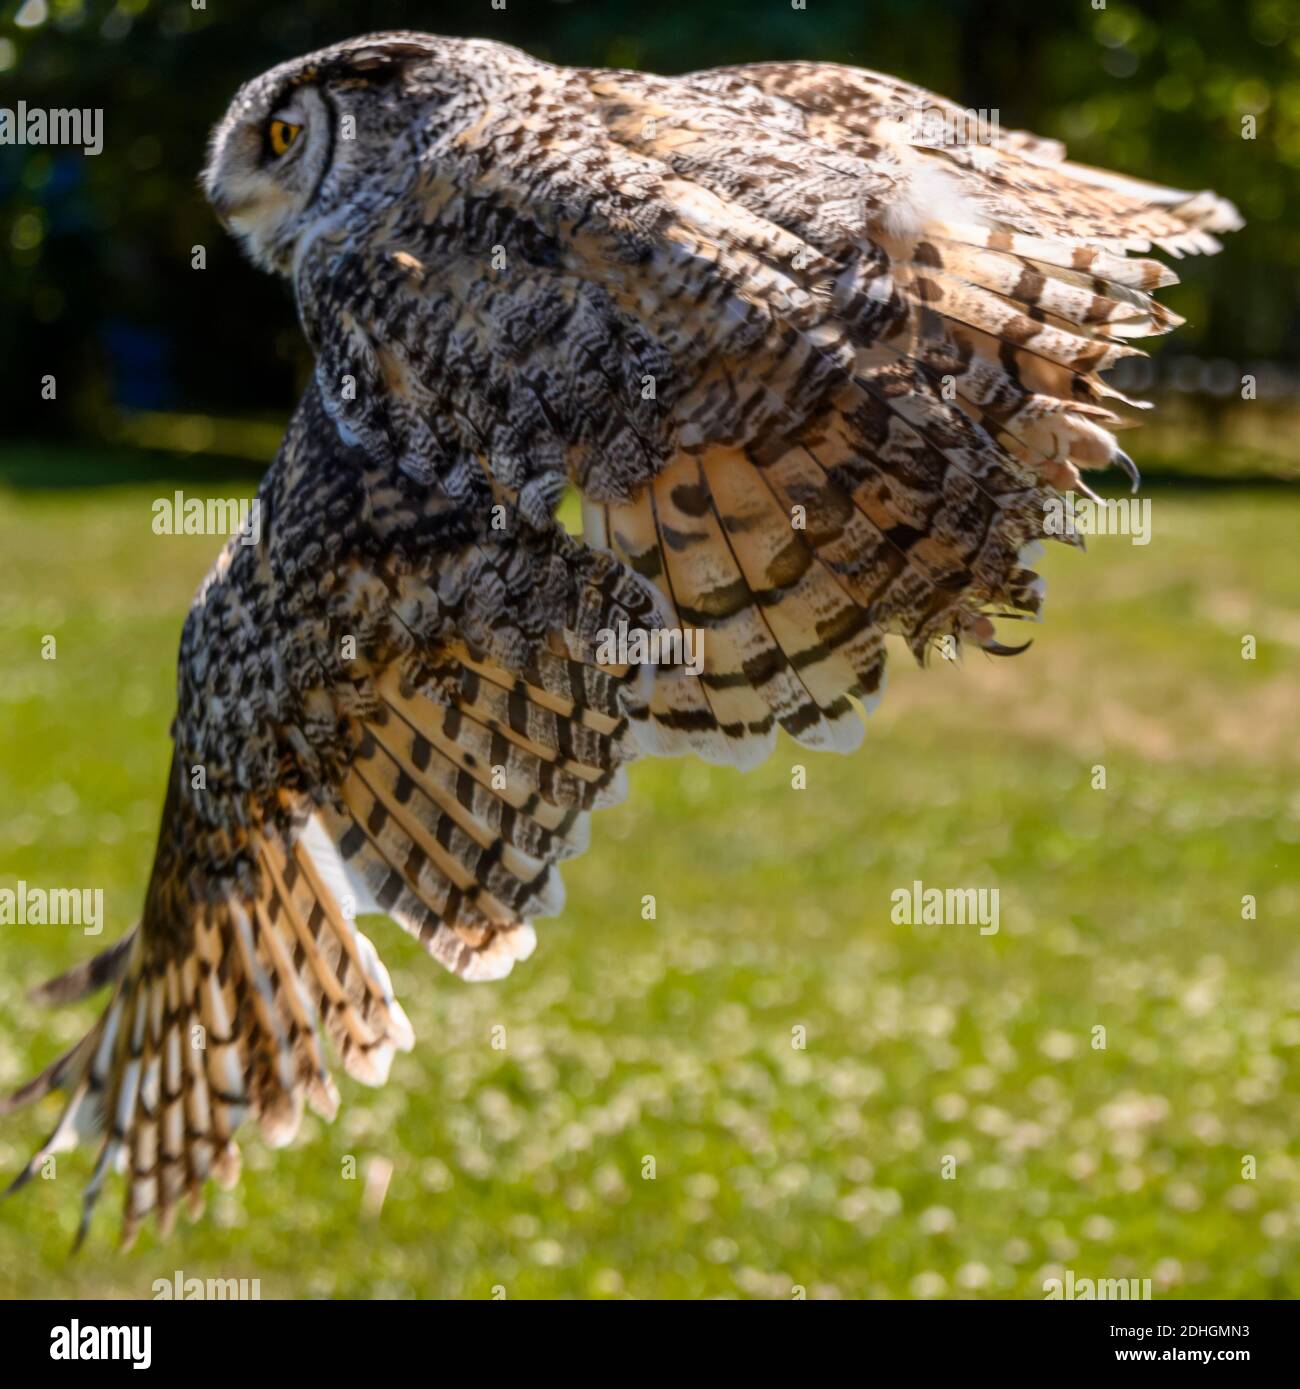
(1130, 468)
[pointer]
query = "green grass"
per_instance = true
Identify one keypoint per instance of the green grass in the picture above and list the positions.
(629, 1040)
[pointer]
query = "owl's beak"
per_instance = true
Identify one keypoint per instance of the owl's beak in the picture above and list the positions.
(227, 209)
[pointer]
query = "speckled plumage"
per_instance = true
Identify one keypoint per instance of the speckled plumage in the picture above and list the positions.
(816, 382)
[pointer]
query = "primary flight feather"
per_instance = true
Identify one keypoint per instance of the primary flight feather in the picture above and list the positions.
(818, 374)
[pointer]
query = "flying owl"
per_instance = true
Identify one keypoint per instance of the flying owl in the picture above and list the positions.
(817, 370)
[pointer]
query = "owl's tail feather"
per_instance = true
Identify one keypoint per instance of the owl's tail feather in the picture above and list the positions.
(223, 1023)
(468, 781)
(86, 978)
(53, 1077)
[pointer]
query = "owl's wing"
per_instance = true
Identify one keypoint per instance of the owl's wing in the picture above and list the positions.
(818, 382)
(972, 297)
(373, 715)
(1015, 179)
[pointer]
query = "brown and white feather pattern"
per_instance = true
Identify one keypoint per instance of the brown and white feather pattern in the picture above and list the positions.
(816, 381)
(380, 708)
(749, 282)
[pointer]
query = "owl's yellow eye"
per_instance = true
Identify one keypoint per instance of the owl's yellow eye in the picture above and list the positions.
(282, 134)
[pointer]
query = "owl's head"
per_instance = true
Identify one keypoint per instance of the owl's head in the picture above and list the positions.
(313, 135)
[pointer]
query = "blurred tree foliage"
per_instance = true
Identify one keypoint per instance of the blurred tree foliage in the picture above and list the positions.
(96, 284)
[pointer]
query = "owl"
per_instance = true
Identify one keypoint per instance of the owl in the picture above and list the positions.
(818, 364)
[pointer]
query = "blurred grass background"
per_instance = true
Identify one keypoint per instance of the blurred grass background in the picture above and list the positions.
(672, 1039)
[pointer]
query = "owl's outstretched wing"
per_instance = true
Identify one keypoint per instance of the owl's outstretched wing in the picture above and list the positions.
(974, 293)
(380, 709)
(1015, 179)
(818, 381)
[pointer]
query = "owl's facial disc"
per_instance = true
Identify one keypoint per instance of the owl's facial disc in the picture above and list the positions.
(265, 166)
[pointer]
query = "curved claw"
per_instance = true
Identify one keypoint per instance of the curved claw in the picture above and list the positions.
(1129, 467)
(995, 648)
